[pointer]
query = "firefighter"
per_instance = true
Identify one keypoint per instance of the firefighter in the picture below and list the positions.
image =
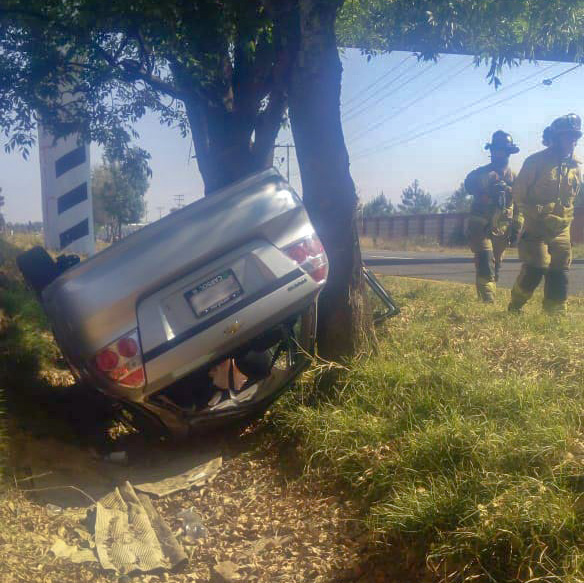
(494, 221)
(545, 190)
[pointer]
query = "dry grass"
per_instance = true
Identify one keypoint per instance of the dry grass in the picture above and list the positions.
(412, 244)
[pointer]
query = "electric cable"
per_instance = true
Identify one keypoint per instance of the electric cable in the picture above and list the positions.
(400, 110)
(386, 145)
(358, 109)
(378, 80)
(481, 99)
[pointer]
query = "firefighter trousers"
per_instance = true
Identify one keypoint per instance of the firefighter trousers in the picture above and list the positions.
(488, 252)
(545, 256)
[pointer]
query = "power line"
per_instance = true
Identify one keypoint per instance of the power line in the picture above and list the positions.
(481, 100)
(552, 79)
(378, 80)
(386, 118)
(357, 106)
(387, 144)
(447, 124)
(386, 95)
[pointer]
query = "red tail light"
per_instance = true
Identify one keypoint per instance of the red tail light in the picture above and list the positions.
(106, 360)
(121, 361)
(127, 347)
(310, 255)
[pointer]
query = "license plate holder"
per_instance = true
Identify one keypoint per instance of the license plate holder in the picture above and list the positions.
(214, 293)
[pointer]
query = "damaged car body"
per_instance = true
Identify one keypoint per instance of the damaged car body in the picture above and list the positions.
(203, 316)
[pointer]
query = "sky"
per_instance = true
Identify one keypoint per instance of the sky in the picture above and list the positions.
(403, 120)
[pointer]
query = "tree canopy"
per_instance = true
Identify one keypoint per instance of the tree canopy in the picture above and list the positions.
(501, 32)
(415, 200)
(213, 68)
(379, 206)
(119, 187)
(459, 201)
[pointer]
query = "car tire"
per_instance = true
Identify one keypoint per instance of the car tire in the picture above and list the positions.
(37, 268)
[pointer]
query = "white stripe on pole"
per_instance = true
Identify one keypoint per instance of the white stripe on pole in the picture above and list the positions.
(66, 193)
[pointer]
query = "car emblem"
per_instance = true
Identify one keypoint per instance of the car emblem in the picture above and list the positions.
(233, 329)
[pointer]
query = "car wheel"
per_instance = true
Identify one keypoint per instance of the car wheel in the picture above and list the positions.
(37, 268)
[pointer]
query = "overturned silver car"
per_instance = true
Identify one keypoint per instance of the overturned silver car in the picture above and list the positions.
(205, 315)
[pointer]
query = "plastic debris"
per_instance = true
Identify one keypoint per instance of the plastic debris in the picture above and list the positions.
(192, 524)
(62, 550)
(196, 476)
(225, 572)
(53, 510)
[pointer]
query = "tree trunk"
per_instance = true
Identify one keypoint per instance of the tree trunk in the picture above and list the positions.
(329, 191)
(223, 139)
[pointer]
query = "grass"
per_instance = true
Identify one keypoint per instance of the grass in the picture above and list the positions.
(411, 244)
(462, 438)
(26, 345)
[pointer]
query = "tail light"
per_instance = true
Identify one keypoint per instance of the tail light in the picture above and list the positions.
(121, 361)
(310, 255)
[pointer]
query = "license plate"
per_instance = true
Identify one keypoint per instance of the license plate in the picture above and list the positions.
(214, 293)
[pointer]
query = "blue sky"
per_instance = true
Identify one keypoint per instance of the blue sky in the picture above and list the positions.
(401, 122)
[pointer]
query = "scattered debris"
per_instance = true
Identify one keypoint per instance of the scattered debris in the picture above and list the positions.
(225, 572)
(62, 550)
(197, 476)
(53, 510)
(268, 543)
(117, 457)
(131, 536)
(192, 524)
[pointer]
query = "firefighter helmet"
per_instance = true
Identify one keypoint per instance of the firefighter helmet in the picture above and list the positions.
(502, 141)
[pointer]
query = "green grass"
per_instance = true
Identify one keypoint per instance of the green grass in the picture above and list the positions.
(462, 438)
(26, 345)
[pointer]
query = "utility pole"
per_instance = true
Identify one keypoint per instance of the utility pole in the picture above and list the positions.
(159, 209)
(287, 146)
(179, 200)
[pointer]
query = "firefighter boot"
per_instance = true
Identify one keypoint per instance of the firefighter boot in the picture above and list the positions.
(555, 293)
(527, 281)
(485, 278)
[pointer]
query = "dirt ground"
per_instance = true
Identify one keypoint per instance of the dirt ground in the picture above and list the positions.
(264, 523)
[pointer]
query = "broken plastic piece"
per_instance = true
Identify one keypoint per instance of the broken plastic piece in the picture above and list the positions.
(53, 510)
(195, 477)
(192, 524)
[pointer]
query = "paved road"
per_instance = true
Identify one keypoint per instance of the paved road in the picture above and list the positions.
(452, 267)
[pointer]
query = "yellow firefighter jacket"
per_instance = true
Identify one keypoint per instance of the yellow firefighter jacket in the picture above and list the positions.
(486, 209)
(545, 190)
